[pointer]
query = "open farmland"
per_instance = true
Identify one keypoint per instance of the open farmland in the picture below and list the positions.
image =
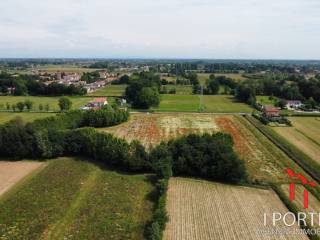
(224, 104)
(305, 135)
(27, 117)
(205, 210)
(263, 160)
(176, 103)
(191, 103)
(74, 199)
(13, 172)
(110, 90)
(77, 102)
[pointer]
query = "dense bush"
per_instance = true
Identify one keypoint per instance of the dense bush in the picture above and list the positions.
(104, 117)
(206, 156)
(143, 90)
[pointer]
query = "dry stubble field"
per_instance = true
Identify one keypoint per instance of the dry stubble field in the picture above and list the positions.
(264, 161)
(205, 210)
(13, 172)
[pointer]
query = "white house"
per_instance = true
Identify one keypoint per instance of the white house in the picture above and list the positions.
(293, 104)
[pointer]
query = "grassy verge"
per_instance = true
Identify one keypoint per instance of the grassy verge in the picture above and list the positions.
(308, 164)
(293, 208)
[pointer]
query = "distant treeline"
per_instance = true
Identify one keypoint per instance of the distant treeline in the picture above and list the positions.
(289, 88)
(30, 85)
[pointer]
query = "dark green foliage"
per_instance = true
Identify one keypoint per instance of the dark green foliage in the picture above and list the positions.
(104, 117)
(207, 156)
(65, 104)
(90, 77)
(28, 104)
(15, 140)
(143, 90)
(160, 216)
(20, 106)
(212, 87)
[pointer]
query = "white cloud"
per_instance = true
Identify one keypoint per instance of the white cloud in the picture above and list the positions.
(167, 28)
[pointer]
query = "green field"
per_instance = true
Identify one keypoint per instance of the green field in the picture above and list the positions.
(77, 102)
(266, 100)
(110, 90)
(224, 104)
(304, 134)
(176, 103)
(74, 199)
(27, 117)
(210, 103)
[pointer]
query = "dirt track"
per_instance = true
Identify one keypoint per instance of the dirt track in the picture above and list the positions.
(13, 172)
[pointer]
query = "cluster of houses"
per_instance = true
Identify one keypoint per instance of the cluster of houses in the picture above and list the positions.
(75, 79)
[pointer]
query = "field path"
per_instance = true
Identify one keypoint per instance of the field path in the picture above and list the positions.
(12, 172)
(58, 229)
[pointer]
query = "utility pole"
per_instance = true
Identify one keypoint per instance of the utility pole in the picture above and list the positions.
(201, 99)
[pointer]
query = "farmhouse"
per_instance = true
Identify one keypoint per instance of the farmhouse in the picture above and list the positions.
(271, 112)
(293, 104)
(97, 103)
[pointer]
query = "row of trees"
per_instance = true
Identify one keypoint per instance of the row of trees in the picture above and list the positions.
(30, 85)
(46, 138)
(290, 88)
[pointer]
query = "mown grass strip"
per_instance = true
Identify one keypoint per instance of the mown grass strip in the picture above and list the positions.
(57, 230)
(118, 206)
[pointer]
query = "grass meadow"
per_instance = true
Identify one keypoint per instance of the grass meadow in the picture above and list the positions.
(75, 199)
(27, 117)
(110, 90)
(209, 103)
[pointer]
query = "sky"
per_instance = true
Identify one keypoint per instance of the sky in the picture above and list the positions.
(214, 29)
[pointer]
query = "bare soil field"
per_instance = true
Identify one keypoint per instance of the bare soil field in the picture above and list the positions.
(305, 135)
(13, 172)
(205, 210)
(264, 161)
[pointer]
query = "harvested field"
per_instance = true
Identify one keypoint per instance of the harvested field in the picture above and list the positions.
(305, 135)
(205, 210)
(263, 160)
(13, 172)
(154, 128)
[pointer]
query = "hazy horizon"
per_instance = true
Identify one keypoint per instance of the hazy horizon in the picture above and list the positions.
(170, 29)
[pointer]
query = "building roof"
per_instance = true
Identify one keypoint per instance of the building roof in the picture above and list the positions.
(270, 109)
(100, 100)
